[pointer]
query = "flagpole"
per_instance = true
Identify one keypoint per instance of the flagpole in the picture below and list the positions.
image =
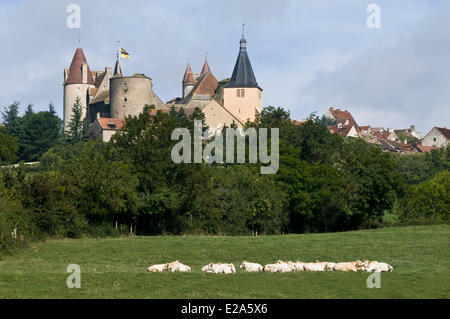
(118, 51)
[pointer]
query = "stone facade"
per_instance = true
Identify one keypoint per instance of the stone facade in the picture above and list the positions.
(437, 137)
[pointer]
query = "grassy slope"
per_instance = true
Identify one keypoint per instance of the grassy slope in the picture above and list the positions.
(115, 268)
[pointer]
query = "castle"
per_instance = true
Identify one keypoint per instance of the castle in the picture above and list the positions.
(108, 97)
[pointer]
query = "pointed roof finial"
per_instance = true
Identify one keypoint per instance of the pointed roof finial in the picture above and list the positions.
(243, 42)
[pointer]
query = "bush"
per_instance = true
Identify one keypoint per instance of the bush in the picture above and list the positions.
(428, 201)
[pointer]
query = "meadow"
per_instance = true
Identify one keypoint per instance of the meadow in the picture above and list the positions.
(115, 267)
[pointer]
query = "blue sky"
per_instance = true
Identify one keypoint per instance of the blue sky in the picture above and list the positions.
(306, 55)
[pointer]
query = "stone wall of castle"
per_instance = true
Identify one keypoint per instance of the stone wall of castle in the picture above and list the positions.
(71, 92)
(129, 95)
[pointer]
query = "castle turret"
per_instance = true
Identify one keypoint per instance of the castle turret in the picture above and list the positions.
(241, 95)
(117, 68)
(205, 68)
(77, 82)
(188, 81)
(130, 94)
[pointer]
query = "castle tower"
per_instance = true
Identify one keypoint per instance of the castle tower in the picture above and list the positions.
(242, 96)
(188, 82)
(130, 94)
(77, 82)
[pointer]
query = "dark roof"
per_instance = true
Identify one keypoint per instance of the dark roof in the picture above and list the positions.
(75, 70)
(243, 75)
(444, 131)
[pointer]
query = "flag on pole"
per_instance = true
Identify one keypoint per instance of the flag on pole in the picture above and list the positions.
(124, 54)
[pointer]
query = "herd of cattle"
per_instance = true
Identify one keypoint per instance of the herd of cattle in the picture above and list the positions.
(279, 266)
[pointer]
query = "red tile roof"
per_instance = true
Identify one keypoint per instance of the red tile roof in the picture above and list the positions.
(425, 149)
(344, 115)
(295, 122)
(106, 123)
(188, 77)
(205, 68)
(206, 85)
(75, 70)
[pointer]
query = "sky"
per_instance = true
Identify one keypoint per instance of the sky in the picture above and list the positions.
(306, 55)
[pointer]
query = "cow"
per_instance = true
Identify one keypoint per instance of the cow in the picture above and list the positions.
(251, 267)
(298, 265)
(270, 268)
(177, 266)
(219, 268)
(315, 266)
(157, 268)
(377, 267)
(349, 266)
(330, 266)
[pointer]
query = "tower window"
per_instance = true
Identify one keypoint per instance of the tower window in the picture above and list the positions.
(238, 92)
(242, 92)
(125, 99)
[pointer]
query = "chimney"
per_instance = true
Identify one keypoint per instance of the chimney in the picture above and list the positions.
(413, 128)
(84, 72)
(391, 130)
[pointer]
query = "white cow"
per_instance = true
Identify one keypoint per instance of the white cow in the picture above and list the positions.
(298, 265)
(270, 268)
(251, 267)
(316, 266)
(330, 266)
(219, 268)
(177, 266)
(350, 266)
(377, 267)
(157, 268)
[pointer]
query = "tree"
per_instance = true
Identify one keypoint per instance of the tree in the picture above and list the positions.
(77, 126)
(29, 109)
(38, 133)
(11, 119)
(428, 201)
(8, 148)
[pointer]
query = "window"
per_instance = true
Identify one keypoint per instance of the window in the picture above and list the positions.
(238, 92)
(125, 99)
(242, 92)
(434, 139)
(111, 125)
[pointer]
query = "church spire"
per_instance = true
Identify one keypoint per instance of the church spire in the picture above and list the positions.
(243, 75)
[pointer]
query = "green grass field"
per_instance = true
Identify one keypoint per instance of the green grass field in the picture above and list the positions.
(115, 268)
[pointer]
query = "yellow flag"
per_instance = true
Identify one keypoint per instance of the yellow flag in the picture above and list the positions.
(124, 54)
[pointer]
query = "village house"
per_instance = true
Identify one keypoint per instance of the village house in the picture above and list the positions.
(437, 137)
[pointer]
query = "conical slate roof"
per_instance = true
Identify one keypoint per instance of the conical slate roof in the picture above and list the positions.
(243, 75)
(75, 70)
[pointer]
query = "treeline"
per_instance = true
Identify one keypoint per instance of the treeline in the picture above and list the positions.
(324, 183)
